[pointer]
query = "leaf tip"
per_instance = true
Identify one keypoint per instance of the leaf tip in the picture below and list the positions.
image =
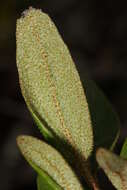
(23, 141)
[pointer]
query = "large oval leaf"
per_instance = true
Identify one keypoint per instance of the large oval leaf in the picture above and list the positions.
(50, 82)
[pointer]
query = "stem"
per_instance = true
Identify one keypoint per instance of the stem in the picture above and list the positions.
(85, 171)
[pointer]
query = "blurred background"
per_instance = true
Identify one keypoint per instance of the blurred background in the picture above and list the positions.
(96, 34)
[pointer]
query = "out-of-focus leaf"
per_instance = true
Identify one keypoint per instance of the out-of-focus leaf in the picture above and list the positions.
(50, 82)
(114, 167)
(43, 157)
(106, 124)
(123, 153)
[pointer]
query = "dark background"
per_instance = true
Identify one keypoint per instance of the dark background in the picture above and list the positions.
(96, 34)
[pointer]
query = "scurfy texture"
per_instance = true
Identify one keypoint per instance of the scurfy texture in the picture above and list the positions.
(50, 82)
(48, 159)
(114, 167)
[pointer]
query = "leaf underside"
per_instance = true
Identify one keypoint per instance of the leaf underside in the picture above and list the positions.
(114, 167)
(46, 160)
(50, 82)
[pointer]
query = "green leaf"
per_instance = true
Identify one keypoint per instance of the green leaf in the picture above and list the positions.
(123, 153)
(46, 160)
(44, 183)
(106, 124)
(114, 167)
(41, 123)
(50, 82)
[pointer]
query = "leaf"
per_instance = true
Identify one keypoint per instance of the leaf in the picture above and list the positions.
(50, 82)
(106, 124)
(44, 158)
(114, 167)
(45, 184)
(123, 153)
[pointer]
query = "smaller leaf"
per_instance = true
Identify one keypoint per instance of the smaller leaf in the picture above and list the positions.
(45, 159)
(106, 124)
(123, 153)
(114, 167)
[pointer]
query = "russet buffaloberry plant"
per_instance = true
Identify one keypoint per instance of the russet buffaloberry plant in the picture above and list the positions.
(78, 125)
